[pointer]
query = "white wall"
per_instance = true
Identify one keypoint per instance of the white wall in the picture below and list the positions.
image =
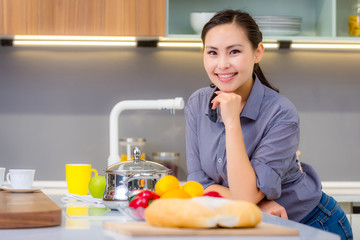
(55, 102)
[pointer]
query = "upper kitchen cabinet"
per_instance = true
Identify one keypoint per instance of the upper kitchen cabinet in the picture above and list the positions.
(320, 19)
(83, 17)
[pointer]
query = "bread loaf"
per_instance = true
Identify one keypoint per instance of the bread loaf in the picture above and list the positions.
(202, 212)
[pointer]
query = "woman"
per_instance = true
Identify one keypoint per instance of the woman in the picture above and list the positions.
(242, 135)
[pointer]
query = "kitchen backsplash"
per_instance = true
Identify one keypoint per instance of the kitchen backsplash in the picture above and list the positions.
(55, 104)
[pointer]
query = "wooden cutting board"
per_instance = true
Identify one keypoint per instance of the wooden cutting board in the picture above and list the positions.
(28, 210)
(145, 229)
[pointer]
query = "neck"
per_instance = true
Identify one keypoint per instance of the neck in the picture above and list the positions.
(245, 90)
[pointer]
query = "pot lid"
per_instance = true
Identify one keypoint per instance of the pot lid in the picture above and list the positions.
(138, 165)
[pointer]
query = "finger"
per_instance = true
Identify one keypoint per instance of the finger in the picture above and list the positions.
(219, 98)
(275, 213)
(214, 104)
(216, 101)
(284, 214)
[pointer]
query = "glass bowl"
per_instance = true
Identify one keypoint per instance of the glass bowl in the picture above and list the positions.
(136, 214)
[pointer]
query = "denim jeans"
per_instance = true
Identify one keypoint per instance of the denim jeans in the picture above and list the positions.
(329, 216)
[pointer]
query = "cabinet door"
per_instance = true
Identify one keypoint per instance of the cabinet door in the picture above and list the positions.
(83, 17)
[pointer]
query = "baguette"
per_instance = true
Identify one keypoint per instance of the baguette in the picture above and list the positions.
(202, 212)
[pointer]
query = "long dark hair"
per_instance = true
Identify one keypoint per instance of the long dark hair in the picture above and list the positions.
(244, 20)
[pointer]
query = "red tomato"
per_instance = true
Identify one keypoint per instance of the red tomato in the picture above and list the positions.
(143, 199)
(213, 194)
(145, 194)
(139, 202)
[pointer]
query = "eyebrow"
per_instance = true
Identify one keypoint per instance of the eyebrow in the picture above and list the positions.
(228, 47)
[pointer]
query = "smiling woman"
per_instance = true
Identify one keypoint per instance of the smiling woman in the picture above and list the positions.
(249, 151)
(228, 61)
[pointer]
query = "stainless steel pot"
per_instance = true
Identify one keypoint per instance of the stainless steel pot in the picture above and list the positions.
(125, 179)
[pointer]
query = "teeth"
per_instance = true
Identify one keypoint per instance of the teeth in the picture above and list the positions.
(226, 75)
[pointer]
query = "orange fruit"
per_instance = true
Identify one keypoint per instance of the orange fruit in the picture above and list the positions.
(194, 189)
(167, 183)
(177, 193)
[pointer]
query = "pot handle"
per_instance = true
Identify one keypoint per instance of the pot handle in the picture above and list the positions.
(137, 154)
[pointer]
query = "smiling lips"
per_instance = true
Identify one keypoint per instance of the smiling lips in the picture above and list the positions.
(226, 77)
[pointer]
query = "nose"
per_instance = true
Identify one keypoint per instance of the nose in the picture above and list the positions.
(223, 62)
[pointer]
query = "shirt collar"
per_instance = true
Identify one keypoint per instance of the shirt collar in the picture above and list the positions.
(208, 105)
(252, 106)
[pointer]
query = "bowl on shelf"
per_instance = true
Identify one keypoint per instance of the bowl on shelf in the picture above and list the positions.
(198, 20)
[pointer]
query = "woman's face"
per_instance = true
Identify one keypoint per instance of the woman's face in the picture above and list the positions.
(229, 58)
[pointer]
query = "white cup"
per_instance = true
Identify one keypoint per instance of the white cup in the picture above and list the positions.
(20, 178)
(2, 174)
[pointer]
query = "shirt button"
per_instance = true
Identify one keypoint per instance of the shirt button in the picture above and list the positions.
(219, 160)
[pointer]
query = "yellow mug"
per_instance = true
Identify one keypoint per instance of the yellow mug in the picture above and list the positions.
(78, 178)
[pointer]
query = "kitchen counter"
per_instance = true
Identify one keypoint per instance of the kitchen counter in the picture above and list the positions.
(342, 191)
(79, 225)
(91, 227)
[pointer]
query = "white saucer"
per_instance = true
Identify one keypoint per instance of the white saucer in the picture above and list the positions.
(16, 190)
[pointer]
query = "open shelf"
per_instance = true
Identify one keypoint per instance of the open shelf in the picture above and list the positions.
(321, 19)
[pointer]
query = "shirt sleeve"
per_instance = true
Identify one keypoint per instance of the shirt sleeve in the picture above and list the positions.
(195, 172)
(273, 157)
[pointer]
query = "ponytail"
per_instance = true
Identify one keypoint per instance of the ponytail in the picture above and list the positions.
(262, 78)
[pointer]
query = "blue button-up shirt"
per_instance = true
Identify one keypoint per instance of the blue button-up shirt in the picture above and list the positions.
(270, 126)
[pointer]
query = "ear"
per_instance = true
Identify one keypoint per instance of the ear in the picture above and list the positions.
(259, 52)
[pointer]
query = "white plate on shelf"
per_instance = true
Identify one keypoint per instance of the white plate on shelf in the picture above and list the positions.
(16, 190)
(279, 32)
(288, 19)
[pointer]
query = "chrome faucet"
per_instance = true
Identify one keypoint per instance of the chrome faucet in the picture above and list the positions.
(160, 104)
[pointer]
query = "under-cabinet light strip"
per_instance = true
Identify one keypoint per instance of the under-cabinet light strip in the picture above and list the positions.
(49, 40)
(324, 46)
(180, 44)
(72, 43)
(73, 38)
(271, 45)
(200, 45)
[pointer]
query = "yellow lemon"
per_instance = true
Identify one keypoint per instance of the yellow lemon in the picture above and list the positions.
(177, 193)
(167, 183)
(194, 189)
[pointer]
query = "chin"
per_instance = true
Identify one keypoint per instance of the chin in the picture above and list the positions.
(226, 89)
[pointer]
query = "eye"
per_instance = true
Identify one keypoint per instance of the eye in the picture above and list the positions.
(211, 52)
(235, 51)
